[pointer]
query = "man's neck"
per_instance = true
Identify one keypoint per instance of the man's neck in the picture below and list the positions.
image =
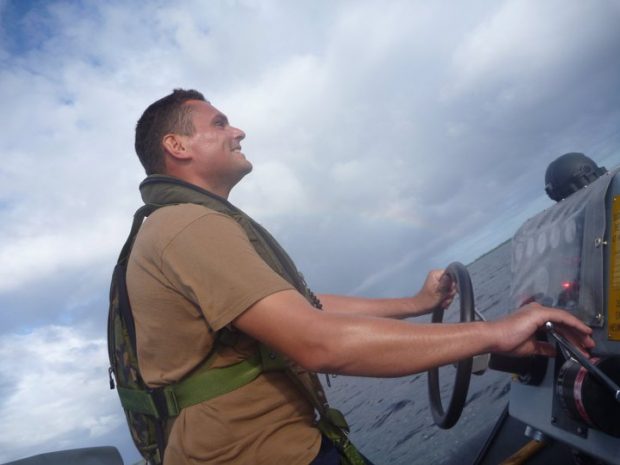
(219, 189)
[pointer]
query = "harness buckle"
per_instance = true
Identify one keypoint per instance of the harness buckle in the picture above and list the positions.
(165, 402)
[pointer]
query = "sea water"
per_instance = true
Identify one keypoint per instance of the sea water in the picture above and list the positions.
(390, 419)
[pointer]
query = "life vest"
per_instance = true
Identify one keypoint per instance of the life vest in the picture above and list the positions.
(148, 410)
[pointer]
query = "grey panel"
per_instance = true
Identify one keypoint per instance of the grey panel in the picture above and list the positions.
(86, 456)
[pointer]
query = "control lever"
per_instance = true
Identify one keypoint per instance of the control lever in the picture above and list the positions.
(579, 357)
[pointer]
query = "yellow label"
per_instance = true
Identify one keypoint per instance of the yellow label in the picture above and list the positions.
(613, 304)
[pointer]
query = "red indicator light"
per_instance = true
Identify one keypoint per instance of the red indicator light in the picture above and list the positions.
(566, 284)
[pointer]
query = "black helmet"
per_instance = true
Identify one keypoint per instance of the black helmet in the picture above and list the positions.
(569, 173)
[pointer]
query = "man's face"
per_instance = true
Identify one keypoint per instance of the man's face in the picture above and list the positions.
(216, 146)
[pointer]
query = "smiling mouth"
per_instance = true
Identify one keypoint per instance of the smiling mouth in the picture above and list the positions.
(238, 150)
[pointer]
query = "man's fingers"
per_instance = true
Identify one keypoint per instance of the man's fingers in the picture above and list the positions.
(446, 284)
(566, 321)
(446, 302)
(576, 332)
(582, 342)
(544, 348)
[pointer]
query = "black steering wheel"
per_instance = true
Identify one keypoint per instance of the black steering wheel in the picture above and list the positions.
(459, 275)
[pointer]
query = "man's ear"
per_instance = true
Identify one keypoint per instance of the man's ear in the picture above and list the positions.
(175, 146)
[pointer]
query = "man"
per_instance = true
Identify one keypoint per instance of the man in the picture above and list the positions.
(197, 271)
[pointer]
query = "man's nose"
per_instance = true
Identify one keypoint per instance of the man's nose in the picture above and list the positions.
(239, 134)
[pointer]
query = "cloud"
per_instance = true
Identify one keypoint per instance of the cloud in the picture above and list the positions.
(53, 395)
(38, 250)
(521, 63)
(557, 70)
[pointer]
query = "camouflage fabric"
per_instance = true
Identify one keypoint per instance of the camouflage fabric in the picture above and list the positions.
(146, 430)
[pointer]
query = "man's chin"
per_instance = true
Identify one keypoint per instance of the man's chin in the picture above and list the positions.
(241, 173)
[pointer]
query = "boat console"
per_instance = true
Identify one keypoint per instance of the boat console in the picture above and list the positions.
(568, 256)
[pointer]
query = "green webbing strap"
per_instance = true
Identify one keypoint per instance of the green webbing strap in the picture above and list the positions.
(334, 426)
(198, 387)
(138, 401)
(270, 360)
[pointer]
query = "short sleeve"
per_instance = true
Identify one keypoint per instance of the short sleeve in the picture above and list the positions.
(213, 264)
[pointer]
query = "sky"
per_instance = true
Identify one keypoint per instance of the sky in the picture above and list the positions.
(388, 138)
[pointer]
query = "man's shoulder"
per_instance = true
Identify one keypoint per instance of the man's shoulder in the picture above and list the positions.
(167, 222)
(181, 215)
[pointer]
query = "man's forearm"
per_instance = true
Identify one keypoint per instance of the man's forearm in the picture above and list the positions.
(387, 308)
(387, 348)
(437, 291)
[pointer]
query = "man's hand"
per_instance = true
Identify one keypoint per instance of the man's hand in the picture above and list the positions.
(516, 332)
(438, 291)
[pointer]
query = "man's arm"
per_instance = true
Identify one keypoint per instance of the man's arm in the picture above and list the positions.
(437, 292)
(368, 346)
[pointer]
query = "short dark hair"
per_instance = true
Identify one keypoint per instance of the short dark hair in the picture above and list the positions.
(166, 115)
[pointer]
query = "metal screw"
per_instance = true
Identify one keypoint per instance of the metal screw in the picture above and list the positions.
(599, 242)
(534, 434)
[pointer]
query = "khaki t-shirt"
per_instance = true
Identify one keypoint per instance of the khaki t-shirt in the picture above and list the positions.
(191, 272)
